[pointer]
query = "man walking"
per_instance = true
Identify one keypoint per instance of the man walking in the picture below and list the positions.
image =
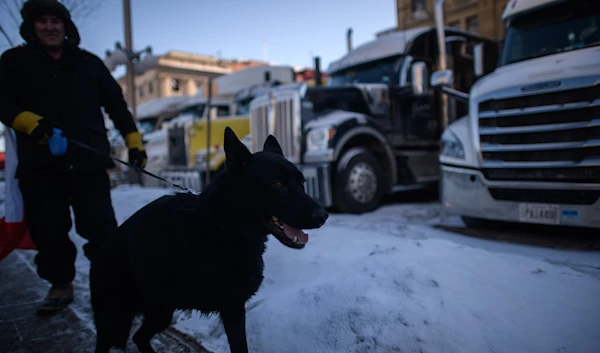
(51, 82)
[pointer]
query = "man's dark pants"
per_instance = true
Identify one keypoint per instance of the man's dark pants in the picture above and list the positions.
(47, 199)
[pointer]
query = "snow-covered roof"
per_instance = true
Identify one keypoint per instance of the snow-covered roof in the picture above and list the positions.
(231, 84)
(173, 104)
(199, 98)
(515, 7)
(160, 105)
(386, 46)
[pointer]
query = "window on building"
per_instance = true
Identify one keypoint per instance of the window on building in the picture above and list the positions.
(454, 24)
(175, 83)
(419, 10)
(150, 87)
(418, 5)
(473, 24)
(141, 91)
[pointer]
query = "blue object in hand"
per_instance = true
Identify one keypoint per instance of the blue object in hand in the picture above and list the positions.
(57, 143)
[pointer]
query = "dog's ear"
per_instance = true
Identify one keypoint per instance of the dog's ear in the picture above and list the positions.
(271, 145)
(236, 153)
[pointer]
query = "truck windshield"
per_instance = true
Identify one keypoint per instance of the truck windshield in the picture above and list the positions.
(380, 71)
(570, 25)
(243, 106)
(196, 110)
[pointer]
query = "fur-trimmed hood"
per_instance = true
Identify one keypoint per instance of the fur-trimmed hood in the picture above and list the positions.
(34, 8)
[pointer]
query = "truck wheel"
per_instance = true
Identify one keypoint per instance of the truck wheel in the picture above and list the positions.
(359, 186)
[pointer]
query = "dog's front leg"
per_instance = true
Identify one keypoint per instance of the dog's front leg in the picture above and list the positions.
(234, 321)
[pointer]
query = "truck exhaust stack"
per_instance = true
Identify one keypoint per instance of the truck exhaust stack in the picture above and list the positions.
(318, 76)
(349, 39)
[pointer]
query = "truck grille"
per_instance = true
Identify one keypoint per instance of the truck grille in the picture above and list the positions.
(542, 137)
(569, 197)
(282, 120)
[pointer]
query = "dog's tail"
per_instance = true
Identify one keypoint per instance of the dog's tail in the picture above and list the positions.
(111, 296)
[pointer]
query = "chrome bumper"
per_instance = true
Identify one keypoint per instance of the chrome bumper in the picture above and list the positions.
(466, 192)
(318, 182)
(317, 186)
(185, 177)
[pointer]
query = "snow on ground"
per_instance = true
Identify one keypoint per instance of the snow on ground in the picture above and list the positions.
(359, 290)
(389, 282)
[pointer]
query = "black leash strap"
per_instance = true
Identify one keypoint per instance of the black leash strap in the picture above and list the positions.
(132, 166)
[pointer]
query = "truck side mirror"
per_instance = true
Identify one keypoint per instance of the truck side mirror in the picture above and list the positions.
(419, 75)
(442, 78)
(478, 60)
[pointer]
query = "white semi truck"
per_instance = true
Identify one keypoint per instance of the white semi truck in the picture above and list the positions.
(529, 149)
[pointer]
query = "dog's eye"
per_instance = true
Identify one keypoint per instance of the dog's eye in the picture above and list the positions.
(278, 185)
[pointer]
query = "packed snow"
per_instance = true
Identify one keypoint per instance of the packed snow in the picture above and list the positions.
(388, 281)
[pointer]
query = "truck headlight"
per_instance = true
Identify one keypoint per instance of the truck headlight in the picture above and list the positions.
(318, 139)
(451, 146)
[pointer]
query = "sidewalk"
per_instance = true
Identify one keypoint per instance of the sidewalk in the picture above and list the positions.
(22, 331)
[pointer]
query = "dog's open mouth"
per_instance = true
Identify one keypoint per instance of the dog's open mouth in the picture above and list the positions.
(288, 235)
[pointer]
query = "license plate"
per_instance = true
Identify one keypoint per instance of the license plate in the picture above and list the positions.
(539, 213)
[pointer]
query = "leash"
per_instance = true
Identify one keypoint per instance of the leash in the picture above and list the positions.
(132, 166)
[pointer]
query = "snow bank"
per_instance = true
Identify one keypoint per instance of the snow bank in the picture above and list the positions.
(359, 291)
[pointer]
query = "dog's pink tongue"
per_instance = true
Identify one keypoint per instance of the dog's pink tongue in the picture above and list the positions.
(292, 233)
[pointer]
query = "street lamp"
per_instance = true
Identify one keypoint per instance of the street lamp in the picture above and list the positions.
(121, 56)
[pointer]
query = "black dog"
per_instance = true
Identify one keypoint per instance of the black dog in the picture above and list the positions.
(201, 252)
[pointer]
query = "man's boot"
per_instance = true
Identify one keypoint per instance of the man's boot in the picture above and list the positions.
(59, 296)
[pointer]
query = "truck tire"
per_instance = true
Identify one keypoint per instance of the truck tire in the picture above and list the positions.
(359, 186)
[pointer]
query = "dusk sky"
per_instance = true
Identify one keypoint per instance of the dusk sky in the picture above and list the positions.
(295, 30)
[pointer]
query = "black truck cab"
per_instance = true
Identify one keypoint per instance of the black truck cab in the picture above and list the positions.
(376, 126)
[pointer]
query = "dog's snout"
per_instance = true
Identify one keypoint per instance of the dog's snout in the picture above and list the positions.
(319, 215)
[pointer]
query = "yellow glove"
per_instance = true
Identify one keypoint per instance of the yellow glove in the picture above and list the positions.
(33, 125)
(137, 155)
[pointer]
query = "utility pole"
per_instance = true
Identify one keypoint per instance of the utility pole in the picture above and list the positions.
(135, 66)
(208, 122)
(134, 177)
(265, 48)
(442, 61)
(129, 48)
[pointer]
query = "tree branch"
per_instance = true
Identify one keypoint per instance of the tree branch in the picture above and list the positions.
(6, 36)
(9, 29)
(11, 10)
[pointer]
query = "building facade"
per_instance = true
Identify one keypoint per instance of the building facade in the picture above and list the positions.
(179, 73)
(482, 17)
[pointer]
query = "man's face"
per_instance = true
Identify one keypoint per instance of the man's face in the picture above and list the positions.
(50, 31)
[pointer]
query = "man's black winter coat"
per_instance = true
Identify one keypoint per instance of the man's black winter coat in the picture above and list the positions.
(69, 92)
